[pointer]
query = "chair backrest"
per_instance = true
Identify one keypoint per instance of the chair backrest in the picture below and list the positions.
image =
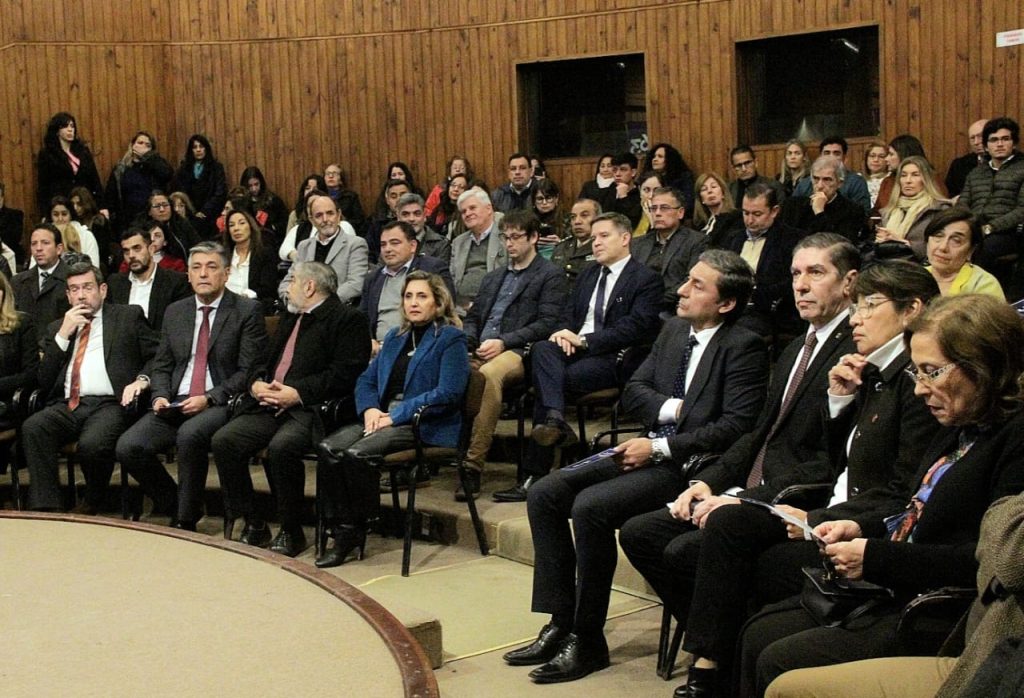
(271, 322)
(471, 401)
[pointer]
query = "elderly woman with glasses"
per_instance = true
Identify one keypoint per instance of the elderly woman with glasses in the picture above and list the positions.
(968, 366)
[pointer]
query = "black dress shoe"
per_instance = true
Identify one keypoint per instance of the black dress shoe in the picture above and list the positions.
(184, 525)
(573, 661)
(402, 480)
(541, 650)
(700, 683)
(473, 481)
(515, 494)
(256, 533)
(554, 432)
(346, 539)
(289, 543)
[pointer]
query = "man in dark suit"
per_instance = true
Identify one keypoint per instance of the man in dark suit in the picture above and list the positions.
(208, 347)
(784, 448)
(147, 284)
(381, 300)
(96, 360)
(670, 249)
(516, 306)
(766, 244)
(321, 347)
(410, 209)
(826, 209)
(614, 306)
(699, 390)
(12, 223)
(39, 291)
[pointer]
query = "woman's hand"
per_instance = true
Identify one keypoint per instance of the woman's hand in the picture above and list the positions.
(844, 377)
(838, 531)
(848, 557)
(794, 532)
(371, 418)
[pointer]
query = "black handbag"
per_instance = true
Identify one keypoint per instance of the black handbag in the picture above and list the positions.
(835, 601)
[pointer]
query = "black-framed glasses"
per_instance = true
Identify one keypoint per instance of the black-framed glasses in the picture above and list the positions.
(516, 237)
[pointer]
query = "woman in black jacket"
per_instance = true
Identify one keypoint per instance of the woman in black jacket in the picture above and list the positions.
(140, 171)
(202, 177)
(19, 351)
(65, 162)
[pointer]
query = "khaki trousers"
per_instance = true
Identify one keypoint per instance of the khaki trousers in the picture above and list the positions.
(890, 677)
(504, 369)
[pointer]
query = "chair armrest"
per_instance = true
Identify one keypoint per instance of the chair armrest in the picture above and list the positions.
(337, 411)
(696, 463)
(637, 431)
(810, 492)
(929, 619)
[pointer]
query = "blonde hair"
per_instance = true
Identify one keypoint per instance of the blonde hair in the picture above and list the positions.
(701, 214)
(784, 173)
(445, 314)
(928, 177)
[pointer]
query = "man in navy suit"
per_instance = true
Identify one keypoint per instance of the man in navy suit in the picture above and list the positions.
(614, 305)
(699, 390)
(209, 346)
(381, 301)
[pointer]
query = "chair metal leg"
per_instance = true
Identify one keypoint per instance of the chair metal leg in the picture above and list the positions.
(668, 651)
(521, 435)
(410, 510)
(15, 454)
(474, 515)
(72, 489)
(320, 542)
(396, 508)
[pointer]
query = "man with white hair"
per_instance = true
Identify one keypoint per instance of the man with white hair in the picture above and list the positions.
(479, 250)
(825, 210)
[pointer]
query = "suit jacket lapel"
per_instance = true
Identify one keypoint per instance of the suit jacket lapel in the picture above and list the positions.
(700, 378)
(224, 312)
(822, 362)
(110, 331)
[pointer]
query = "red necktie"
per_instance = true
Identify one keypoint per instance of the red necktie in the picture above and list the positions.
(289, 353)
(76, 368)
(198, 385)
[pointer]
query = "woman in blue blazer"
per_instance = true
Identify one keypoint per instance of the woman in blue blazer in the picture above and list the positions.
(422, 362)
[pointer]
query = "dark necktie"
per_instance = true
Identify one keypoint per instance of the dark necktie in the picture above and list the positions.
(288, 354)
(74, 394)
(599, 299)
(756, 472)
(43, 276)
(197, 386)
(679, 384)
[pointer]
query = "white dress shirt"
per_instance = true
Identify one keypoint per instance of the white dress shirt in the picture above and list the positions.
(667, 413)
(614, 272)
(92, 377)
(141, 290)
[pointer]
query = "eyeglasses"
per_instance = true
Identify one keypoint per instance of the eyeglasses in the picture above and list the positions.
(665, 208)
(742, 165)
(160, 206)
(866, 308)
(515, 237)
(541, 199)
(931, 376)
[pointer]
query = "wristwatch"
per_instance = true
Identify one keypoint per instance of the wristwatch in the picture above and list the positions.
(658, 453)
(583, 341)
(986, 229)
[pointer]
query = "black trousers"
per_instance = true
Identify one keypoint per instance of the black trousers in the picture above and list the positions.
(138, 447)
(783, 636)
(666, 552)
(351, 465)
(287, 438)
(555, 375)
(96, 425)
(573, 583)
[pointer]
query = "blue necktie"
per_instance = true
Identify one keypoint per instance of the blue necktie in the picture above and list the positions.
(679, 384)
(599, 300)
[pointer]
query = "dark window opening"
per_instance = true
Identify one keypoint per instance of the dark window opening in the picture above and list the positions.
(808, 86)
(583, 107)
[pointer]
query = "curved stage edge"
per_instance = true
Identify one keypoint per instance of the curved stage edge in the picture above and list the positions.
(417, 677)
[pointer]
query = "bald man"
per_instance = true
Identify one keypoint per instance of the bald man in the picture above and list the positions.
(960, 167)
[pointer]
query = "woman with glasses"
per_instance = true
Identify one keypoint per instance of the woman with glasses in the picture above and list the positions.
(967, 366)
(553, 223)
(179, 235)
(951, 239)
(875, 433)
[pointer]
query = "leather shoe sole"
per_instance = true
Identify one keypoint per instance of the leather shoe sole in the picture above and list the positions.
(553, 433)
